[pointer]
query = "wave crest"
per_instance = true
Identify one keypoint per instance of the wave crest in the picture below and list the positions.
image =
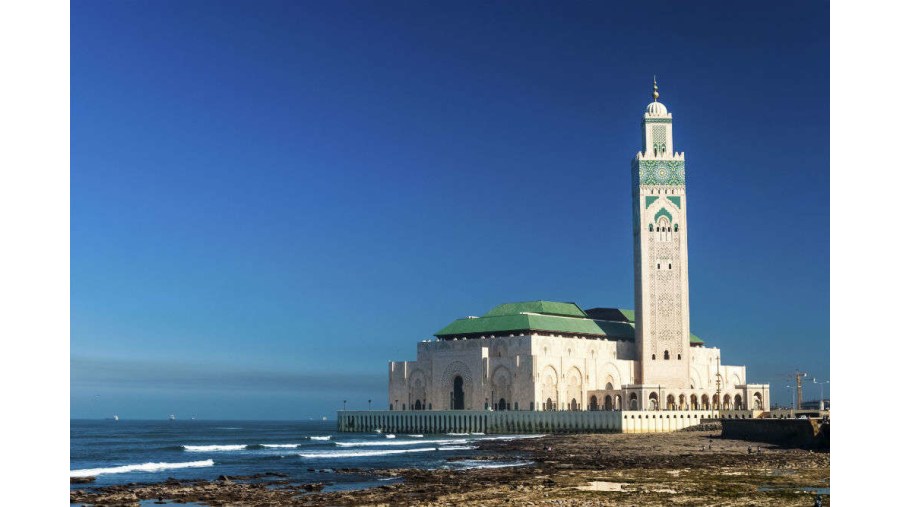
(207, 448)
(143, 467)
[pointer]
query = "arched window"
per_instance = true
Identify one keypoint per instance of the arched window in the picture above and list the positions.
(653, 357)
(666, 355)
(679, 357)
(651, 227)
(676, 227)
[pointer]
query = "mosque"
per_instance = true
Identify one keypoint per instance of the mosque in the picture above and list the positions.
(559, 356)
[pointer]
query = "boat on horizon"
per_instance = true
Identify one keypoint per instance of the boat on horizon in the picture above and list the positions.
(171, 417)
(115, 417)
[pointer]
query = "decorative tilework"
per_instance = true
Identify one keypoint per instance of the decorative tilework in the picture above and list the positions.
(650, 199)
(675, 199)
(657, 120)
(661, 172)
(662, 212)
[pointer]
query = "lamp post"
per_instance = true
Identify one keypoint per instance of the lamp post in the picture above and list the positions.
(792, 397)
(370, 405)
(345, 405)
(821, 392)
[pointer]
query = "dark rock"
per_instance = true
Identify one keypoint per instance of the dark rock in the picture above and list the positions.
(81, 480)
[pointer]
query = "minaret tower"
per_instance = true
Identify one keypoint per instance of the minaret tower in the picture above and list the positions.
(660, 254)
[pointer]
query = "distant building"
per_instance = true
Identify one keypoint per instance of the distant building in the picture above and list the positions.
(816, 405)
(547, 355)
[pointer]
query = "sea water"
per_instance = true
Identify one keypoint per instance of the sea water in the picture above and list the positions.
(124, 451)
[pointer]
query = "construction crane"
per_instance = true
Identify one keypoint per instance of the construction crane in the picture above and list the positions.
(797, 377)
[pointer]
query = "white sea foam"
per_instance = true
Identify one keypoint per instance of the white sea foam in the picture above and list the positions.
(474, 463)
(478, 434)
(416, 436)
(457, 434)
(280, 446)
(143, 467)
(326, 437)
(390, 435)
(397, 443)
(207, 448)
(360, 453)
(456, 448)
(512, 437)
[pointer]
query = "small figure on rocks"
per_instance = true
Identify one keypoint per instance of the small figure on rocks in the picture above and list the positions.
(818, 501)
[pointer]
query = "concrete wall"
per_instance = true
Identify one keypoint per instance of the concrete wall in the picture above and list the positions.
(803, 433)
(487, 421)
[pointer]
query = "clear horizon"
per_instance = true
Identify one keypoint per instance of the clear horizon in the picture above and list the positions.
(271, 200)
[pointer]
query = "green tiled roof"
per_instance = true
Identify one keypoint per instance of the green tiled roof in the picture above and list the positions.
(544, 307)
(549, 316)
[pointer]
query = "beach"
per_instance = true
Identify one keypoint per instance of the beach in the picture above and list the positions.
(683, 468)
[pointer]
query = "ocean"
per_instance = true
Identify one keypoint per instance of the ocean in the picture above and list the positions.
(121, 452)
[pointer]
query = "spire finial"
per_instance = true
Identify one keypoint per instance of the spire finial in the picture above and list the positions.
(655, 90)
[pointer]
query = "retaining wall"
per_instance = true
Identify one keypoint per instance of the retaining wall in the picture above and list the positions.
(487, 421)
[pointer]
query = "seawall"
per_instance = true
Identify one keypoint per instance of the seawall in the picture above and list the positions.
(802, 433)
(499, 422)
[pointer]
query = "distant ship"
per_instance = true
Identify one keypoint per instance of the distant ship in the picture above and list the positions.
(115, 418)
(171, 417)
(324, 418)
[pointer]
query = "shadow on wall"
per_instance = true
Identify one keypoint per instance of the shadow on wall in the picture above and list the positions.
(792, 433)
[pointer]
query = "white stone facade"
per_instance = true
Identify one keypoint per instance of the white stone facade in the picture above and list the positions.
(538, 372)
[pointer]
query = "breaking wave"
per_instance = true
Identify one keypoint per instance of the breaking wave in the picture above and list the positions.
(326, 437)
(143, 467)
(474, 463)
(207, 448)
(364, 453)
(396, 443)
(279, 446)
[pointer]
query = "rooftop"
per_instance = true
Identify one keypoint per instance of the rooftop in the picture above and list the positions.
(549, 317)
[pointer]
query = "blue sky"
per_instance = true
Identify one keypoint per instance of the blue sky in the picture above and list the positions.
(271, 200)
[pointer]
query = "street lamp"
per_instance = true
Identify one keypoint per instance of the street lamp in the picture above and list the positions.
(821, 392)
(345, 405)
(370, 404)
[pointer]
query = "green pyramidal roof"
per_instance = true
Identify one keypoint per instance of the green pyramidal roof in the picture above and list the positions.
(549, 316)
(545, 307)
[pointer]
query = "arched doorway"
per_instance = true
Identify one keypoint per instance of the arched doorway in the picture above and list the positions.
(715, 402)
(607, 403)
(418, 405)
(458, 399)
(632, 401)
(694, 402)
(738, 402)
(654, 401)
(549, 403)
(618, 404)
(726, 402)
(704, 402)
(502, 404)
(670, 402)
(757, 401)
(593, 405)
(682, 402)
(573, 405)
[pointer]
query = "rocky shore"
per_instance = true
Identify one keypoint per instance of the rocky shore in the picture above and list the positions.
(686, 468)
